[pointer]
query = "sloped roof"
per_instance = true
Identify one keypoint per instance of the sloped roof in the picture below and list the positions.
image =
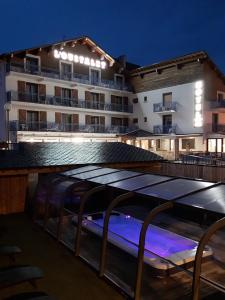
(30, 155)
(138, 133)
(85, 39)
(198, 55)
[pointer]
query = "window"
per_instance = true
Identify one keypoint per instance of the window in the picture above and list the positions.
(167, 99)
(135, 100)
(95, 97)
(145, 98)
(188, 144)
(32, 120)
(215, 145)
(66, 71)
(135, 120)
(158, 144)
(31, 92)
(67, 122)
(32, 64)
(95, 76)
(215, 122)
(117, 121)
(66, 93)
(118, 100)
(220, 96)
(119, 81)
(172, 145)
(145, 119)
(66, 96)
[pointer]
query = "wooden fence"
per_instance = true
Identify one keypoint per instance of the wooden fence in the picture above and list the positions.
(206, 172)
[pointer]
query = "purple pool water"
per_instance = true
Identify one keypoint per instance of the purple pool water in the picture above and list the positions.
(159, 241)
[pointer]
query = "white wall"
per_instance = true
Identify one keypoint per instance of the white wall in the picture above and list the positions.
(182, 94)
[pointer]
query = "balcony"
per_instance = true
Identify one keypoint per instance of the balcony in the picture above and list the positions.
(67, 127)
(217, 104)
(214, 128)
(160, 129)
(75, 77)
(69, 102)
(160, 108)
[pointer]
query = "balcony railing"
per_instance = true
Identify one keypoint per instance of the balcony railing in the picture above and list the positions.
(214, 128)
(217, 104)
(54, 73)
(67, 127)
(159, 107)
(160, 129)
(70, 102)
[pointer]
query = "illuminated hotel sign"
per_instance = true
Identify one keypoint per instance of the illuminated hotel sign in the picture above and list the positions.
(80, 59)
(198, 118)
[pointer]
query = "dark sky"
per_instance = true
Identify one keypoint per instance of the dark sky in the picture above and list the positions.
(147, 31)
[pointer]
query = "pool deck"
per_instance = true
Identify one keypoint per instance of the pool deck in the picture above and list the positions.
(69, 278)
(66, 277)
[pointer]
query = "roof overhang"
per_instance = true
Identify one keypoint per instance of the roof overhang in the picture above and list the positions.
(71, 42)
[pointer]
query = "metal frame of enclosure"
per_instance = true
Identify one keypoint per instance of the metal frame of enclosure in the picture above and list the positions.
(131, 184)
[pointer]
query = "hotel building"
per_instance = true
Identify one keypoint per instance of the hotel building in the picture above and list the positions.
(68, 92)
(74, 91)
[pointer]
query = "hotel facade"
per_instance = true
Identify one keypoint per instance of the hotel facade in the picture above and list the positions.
(74, 91)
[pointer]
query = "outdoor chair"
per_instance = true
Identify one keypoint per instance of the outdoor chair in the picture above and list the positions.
(10, 251)
(10, 276)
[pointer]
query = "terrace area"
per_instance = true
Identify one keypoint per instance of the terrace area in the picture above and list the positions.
(16, 125)
(68, 102)
(74, 77)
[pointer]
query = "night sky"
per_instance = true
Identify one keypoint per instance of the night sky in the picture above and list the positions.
(146, 31)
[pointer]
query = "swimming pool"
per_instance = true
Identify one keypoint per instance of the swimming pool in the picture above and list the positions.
(160, 244)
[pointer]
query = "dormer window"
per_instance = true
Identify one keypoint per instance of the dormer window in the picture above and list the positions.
(32, 64)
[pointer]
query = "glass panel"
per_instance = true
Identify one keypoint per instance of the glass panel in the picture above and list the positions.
(167, 99)
(95, 76)
(212, 145)
(174, 188)
(119, 81)
(80, 170)
(95, 173)
(31, 92)
(32, 64)
(139, 182)
(212, 199)
(66, 71)
(117, 176)
(219, 145)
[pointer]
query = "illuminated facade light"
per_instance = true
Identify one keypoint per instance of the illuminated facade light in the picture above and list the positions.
(80, 59)
(198, 84)
(198, 115)
(198, 92)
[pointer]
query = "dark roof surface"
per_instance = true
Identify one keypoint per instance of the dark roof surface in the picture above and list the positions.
(201, 55)
(30, 155)
(139, 133)
(179, 59)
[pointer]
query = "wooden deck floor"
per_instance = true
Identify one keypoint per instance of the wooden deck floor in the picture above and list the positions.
(66, 278)
(81, 282)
